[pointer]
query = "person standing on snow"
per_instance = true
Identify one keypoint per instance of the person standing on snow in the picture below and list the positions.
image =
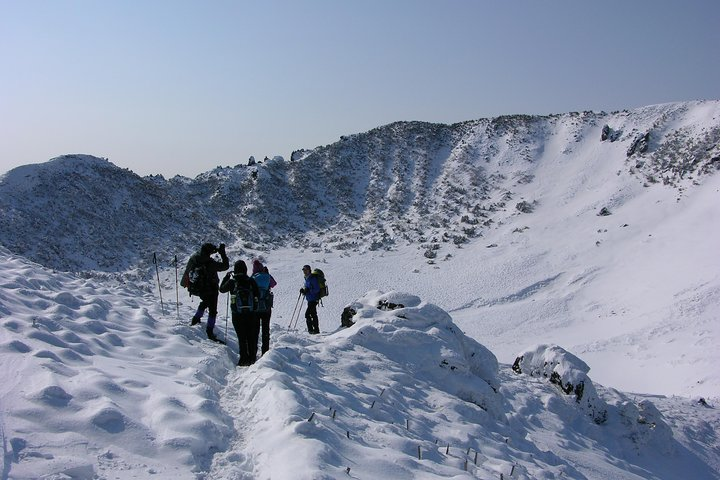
(244, 299)
(200, 278)
(311, 290)
(265, 283)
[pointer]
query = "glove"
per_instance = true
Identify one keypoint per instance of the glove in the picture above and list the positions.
(221, 248)
(302, 290)
(227, 275)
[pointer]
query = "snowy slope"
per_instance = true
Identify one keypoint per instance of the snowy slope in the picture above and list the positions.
(98, 382)
(493, 226)
(90, 367)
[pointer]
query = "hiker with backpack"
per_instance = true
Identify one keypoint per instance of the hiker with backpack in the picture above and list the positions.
(265, 283)
(244, 295)
(311, 290)
(200, 278)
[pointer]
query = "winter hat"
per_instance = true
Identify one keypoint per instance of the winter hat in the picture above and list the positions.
(257, 266)
(208, 249)
(306, 267)
(240, 267)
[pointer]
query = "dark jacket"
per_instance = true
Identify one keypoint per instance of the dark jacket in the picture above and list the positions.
(212, 267)
(231, 280)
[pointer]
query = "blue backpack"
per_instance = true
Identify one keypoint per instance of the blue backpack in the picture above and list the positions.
(265, 299)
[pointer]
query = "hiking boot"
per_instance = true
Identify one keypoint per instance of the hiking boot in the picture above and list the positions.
(194, 321)
(211, 335)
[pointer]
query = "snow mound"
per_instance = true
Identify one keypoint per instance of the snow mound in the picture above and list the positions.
(403, 393)
(398, 380)
(433, 346)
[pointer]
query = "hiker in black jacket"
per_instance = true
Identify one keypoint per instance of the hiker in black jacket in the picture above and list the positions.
(244, 295)
(200, 278)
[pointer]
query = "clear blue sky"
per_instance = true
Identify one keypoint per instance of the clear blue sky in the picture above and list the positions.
(179, 87)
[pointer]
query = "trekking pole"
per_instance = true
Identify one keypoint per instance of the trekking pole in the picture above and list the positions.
(294, 309)
(297, 319)
(227, 308)
(293, 313)
(157, 272)
(177, 291)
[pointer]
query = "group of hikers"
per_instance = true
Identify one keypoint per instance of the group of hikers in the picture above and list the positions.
(251, 298)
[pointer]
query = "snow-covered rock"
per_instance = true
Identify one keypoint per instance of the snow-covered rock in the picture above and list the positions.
(565, 370)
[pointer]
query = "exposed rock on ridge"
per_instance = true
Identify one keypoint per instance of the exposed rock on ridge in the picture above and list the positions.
(407, 182)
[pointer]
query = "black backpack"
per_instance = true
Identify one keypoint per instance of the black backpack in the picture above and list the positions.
(197, 281)
(324, 291)
(242, 298)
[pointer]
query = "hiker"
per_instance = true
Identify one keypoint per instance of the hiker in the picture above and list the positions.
(200, 278)
(265, 283)
(311, 290)
(243, 303)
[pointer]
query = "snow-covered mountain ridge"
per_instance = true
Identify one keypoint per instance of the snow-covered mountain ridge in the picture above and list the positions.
(593, 256)
(431, 185)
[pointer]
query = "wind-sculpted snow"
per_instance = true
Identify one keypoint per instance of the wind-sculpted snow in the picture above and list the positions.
(403, 393)
(94, 381)
(99, 382)
(404, 183)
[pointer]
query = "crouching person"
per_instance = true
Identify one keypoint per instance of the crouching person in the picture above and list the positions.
(243, 304)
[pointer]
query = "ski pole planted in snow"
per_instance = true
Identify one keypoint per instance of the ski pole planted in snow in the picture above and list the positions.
(177, 291)
(298, 316)
(227, 309)
(157, 272)
(294, 310)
